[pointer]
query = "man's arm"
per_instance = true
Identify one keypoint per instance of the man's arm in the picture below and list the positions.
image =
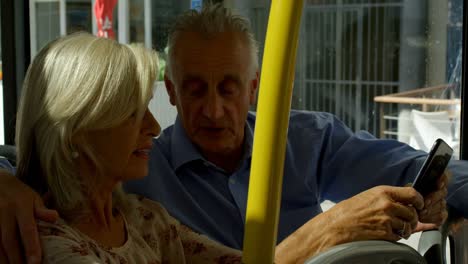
(19, 205)
(381, 213)
(353, 162)
(457, 196)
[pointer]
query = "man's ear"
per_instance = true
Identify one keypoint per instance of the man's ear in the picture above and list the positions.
(170, 90)
(254, 88)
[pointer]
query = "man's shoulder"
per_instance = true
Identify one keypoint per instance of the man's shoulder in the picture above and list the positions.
(309, 127)
(301, 115)
(303, 119)
(304, 115)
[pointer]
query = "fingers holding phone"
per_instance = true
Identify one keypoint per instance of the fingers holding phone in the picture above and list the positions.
(431, 182)
(435, 210)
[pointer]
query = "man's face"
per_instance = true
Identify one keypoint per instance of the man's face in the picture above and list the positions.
(213, 84)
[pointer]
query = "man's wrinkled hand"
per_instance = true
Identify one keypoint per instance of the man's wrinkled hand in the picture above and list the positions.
(383, 212)
(434, 212)
(19, 206)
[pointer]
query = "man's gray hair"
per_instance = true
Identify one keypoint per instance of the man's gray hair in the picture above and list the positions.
(212, 19)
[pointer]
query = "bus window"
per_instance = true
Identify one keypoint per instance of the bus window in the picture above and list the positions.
(392, 68)
(142, 21)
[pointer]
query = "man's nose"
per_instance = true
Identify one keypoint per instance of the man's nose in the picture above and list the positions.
(213, 107)
(150, 126)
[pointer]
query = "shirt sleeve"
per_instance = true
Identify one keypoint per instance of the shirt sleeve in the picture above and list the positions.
(457, 196)
(354, 162)
(347, 163)
(5, 164)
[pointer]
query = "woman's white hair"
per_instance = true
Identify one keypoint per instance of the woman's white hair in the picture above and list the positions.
(212, 19)
(75, 84)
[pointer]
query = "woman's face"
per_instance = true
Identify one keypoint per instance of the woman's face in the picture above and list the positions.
(124, 150)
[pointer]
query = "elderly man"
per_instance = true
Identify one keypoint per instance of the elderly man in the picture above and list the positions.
(199, 167)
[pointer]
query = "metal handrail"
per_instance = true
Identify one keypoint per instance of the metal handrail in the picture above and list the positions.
(272, 120)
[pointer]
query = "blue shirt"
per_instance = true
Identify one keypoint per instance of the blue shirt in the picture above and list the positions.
(4, 164)
(324, 160)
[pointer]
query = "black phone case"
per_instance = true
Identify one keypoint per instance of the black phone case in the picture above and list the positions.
(433, 167)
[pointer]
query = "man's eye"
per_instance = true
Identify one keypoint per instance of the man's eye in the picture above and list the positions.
(227, 91)
(194, 88)
(228, 88)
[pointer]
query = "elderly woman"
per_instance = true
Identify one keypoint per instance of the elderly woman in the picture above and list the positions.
(83, 128)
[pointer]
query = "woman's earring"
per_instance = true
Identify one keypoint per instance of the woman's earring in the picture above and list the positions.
(75, 154)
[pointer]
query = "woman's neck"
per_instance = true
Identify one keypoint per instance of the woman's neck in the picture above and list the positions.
(101, 221)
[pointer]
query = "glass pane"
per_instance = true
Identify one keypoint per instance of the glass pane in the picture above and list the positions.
(388, 67)
(391, 67)
(137, 21)
(47, 22)
(52, 18)
(79, 16)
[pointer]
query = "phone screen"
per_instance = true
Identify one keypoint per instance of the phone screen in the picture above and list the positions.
(433, 167)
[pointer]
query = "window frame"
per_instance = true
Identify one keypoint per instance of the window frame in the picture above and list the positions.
(464, 90)
(15, 59)
(16, 56)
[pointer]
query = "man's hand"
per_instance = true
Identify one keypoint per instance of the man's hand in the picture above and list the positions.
(434, 212)
(19, 205)
(380, 213)
(383, 212)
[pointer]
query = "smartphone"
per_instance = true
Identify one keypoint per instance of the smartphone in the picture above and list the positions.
(433, 168)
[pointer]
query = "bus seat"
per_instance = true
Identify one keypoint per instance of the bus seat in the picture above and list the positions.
(375, 251)
(431, 248)
(454, 231)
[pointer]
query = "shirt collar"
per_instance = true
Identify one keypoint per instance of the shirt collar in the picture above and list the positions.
(184, 151)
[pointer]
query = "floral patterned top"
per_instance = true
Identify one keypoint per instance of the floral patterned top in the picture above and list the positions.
(153, 236)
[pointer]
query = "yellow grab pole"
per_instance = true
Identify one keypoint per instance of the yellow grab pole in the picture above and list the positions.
(270, 131)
